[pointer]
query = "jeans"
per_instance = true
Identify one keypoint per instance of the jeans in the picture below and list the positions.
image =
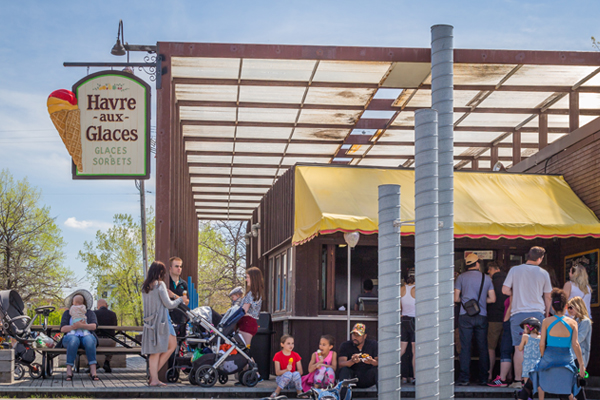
(476, 326)
(72, 343)
(506, 347)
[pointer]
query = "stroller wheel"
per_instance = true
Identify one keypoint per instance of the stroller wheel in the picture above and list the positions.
(250, 378)
(19, 372)
(223, 378)
(206, 376)
(192, 377)
(172, 375)
(35, 370)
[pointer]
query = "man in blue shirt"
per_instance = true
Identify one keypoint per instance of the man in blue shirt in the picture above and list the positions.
(473, 285)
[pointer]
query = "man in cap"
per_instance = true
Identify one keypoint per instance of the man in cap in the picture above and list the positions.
(475, 287)
(530, 288)
(357, 358)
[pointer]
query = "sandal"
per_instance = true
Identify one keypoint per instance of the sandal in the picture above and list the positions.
(94, 377)
(69, 378)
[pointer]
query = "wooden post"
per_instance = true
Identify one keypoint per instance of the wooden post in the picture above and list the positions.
(516, 147)
(573, 111)
(475, 164)
(7, 366)
(494, 155)
(543, 132)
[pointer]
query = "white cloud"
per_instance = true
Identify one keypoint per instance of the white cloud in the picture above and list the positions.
(73, 223)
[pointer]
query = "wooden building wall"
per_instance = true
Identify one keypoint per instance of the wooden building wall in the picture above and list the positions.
(580, 166)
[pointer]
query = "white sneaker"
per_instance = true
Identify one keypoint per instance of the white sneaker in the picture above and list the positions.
(516, 385)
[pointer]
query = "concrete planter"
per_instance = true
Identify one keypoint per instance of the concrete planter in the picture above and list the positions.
(7, 366)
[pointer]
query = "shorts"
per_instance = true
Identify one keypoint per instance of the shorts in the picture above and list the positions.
(515, 320)
(494, 334)
(248, 325)
(407, 329)
(171, 328)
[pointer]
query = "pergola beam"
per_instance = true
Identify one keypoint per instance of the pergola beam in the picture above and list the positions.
(376, 105)
(363, 124)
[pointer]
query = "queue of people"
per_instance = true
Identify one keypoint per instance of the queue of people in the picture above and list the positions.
(538, 327)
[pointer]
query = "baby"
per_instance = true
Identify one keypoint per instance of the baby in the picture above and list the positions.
(77, 312)
(236, 296)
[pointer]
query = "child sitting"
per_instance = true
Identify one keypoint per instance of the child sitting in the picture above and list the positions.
(323, 363)
(236, 296)
(288, 367)
(530, 345)
(77, 313)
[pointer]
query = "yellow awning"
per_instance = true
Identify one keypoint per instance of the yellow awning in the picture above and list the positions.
(486, 205)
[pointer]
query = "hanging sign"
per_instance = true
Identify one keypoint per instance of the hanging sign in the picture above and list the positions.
(114, 109)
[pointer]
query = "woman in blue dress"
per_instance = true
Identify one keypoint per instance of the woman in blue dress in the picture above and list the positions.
(556, 371)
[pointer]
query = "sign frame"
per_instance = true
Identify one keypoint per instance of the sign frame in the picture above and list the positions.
(147, 135)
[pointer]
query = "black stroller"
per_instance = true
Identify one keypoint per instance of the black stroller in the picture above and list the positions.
(17, 325)
(224, 351)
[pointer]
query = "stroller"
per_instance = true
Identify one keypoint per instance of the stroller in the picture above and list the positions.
(17, 325)
(223, 350)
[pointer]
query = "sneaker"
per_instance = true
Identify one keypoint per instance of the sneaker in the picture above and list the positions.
(462, 383)
(497, 382)
(516, 385)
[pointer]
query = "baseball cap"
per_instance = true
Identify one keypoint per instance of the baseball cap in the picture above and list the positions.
(359, 329)
(471, 259)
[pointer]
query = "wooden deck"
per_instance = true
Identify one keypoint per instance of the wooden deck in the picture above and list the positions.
(131, 383)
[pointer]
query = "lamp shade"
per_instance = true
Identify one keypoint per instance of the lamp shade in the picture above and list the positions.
(351, 238)
(118, 49)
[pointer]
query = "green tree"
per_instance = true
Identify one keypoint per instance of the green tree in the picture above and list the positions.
(31, 244)
(221, 261)
(115, 266)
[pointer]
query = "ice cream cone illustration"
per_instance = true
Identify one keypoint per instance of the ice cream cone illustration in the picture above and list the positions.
(64, 112)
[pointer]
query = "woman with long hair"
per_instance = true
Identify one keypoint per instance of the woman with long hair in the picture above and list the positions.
(158, 339)
(578, 311)
(251, 303)
(407, 308)
(578, 285)
(556, 371)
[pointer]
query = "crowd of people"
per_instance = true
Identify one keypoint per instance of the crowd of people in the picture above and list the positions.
(544, 333)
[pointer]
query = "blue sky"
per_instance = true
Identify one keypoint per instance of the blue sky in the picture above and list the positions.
(37, 37)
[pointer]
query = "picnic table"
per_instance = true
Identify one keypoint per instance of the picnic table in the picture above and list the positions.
(48, 354)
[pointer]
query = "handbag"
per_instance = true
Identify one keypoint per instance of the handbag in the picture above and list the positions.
(472, 306)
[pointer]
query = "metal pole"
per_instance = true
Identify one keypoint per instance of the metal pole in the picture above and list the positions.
(426, 256)
(442, 84)
(143, 219)
(389, 255)
(348, 295)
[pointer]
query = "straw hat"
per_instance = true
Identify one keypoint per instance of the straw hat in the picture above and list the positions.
(88, 299)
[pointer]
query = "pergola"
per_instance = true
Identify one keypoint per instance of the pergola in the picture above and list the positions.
(233, 117)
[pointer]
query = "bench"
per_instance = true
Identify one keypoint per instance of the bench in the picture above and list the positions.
(48, 355)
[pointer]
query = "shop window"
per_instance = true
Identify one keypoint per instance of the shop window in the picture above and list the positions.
(281, 268)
